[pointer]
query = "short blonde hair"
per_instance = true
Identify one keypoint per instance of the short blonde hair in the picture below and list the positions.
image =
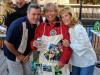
(68, 9)
(50, 6)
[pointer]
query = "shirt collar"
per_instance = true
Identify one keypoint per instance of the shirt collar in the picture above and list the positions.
(28, 25)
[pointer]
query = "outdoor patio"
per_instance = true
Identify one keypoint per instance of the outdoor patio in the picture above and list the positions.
(89, 15)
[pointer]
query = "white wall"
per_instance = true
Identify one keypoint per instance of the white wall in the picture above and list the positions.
(14, 1)
(61, 2)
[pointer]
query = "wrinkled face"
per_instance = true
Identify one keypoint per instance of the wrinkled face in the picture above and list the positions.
(50, 15)
(20, 3)
(33, 15)
(66, 18)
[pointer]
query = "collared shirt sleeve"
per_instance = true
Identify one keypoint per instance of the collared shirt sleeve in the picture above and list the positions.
(13, 33)
(38, 33)
(81, 40)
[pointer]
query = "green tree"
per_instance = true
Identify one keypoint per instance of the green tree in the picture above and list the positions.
(91, 1)
(34, 1)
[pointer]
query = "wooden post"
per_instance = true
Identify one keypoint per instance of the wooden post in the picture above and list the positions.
(80, 11)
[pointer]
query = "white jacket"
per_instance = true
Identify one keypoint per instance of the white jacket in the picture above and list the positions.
(83, 53)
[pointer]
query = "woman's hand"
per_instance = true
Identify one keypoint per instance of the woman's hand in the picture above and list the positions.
(66, 43)
(60, 65)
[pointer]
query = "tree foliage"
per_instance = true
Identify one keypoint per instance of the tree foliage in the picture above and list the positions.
(91, 1)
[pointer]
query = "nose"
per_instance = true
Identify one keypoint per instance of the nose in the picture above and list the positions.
(36, 16)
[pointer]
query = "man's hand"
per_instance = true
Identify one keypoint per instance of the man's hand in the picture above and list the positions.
(26, 59)
(23, 58)
(20, 57)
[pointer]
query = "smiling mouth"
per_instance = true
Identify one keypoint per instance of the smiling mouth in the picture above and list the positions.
(51, 16)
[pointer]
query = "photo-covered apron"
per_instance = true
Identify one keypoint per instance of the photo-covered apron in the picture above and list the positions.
(50, 54)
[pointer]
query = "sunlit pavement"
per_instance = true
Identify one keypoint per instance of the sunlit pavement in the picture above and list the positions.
(3, 64)
(97, 71)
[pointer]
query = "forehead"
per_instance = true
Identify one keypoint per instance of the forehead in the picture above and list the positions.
(64, 13)
(19, 0)
(50, 10)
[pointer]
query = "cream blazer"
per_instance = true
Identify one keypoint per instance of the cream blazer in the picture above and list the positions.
(83, 52)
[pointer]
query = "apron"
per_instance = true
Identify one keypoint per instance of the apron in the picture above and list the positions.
(49, 56)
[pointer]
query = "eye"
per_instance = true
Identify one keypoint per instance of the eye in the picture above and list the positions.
(66, 15)
(36, 14)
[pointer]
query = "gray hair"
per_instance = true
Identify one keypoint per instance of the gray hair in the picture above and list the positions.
(50, 6)
(33, 5)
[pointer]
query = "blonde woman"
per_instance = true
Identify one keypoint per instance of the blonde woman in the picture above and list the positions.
(53, 56)
(83, 57)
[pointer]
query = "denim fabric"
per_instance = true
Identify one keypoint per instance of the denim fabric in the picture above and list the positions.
(82, 71)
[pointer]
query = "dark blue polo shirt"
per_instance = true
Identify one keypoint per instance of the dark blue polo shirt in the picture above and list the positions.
(14, 36)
